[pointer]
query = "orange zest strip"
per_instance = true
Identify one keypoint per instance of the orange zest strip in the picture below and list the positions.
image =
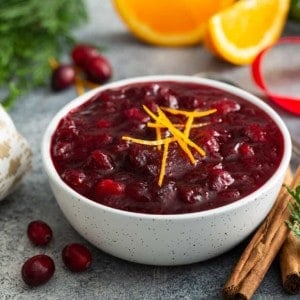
(149, 143)
(195, 113)
(89, 84)
(158, 136)
(156, 125)
(181, 138)
(79, 86)
(53, 63)
(163, 163)
(188, 125)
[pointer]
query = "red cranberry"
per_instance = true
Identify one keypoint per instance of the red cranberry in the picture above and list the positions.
(246, 150)
(62, 77)
(75, 178)
(37, 270)
(82, 53)
(98, 69)
(138, 190)
(101, 160)
(191, 194)
(103, 123)
(255, 132)
(76, 257)
(209, 141)
(225, 106)
(104, 138)
(39, 232)
(136, 114)
(109, 187)
(63, 150)
(220, 179)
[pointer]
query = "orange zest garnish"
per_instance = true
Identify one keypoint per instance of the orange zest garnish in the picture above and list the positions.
(158, 135)
(195, 113)
(53, 63)
(180, 126)
(79, 86)
(163, 163)
(181, 137)
(149, 143)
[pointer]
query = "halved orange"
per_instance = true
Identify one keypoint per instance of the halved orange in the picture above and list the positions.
(238, 33)
(168, 22)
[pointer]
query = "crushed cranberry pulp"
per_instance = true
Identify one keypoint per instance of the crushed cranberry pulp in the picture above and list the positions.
(243, 148)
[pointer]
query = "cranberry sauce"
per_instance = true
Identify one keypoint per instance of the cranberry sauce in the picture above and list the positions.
(243, 148)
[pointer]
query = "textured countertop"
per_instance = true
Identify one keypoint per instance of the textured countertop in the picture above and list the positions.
(109, 277)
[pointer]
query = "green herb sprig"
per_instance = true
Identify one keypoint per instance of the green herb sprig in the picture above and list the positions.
(294, 223)
(31, 32)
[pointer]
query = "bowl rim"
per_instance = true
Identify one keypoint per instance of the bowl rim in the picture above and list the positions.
(52, 173)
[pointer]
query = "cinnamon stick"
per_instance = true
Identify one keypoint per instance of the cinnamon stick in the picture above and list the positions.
(290, 264)
(263, 247)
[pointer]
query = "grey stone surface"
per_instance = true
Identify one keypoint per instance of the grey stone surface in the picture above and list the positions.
(109, 277)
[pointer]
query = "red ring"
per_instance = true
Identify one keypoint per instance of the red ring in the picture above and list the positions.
(291, 104)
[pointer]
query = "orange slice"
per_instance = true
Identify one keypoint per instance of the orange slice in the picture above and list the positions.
(240, 32)
(168, 22)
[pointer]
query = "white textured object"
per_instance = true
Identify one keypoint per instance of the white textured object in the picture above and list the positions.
(15, 155)
(166, 239)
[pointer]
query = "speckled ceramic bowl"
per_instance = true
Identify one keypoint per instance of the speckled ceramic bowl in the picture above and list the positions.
(165, 239)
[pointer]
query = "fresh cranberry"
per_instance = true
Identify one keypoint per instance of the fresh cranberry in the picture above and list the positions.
(62, 77)
(82, 53)
(110, 187)
(39, 232)
(76, 257)
(98, 69)
(38, 270)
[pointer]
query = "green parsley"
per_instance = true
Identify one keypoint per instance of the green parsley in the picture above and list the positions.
(31, 32)
(294, 207)
(294, 13)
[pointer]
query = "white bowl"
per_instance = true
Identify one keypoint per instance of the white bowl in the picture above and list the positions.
(166, 239)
